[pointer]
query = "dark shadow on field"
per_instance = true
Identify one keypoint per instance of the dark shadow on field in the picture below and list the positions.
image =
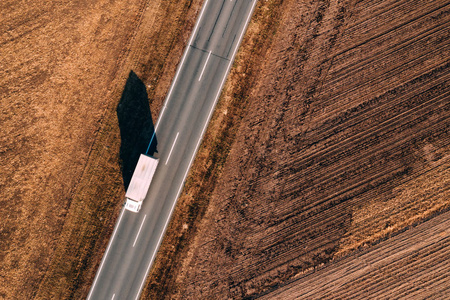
(136, 126)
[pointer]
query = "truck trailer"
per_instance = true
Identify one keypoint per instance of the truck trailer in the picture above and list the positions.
(140, 182)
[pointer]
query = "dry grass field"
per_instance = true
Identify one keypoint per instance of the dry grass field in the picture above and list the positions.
(63, 68)
(341, 141)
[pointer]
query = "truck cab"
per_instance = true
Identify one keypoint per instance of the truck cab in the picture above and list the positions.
(132, 205)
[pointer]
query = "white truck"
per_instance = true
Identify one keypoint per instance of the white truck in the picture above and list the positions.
(140, 182)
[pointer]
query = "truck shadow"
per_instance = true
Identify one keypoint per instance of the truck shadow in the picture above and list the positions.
(136, 126)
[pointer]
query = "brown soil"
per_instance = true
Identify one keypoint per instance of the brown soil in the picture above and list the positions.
(344, 141)
(412, 265)
(62, 71)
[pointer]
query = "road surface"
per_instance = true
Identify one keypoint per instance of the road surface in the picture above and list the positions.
(180, 127)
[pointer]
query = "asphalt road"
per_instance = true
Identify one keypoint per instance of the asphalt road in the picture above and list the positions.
(180, 127)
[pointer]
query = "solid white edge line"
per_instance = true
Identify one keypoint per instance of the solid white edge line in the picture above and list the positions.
(196, 149)
(106, 254)
(139, 231)
(113, 297)
(242, 34)
(182, 61)
(171, 149)
(177, 73)
(204, 66)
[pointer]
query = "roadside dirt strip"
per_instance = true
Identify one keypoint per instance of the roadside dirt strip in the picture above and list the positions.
(414, 264)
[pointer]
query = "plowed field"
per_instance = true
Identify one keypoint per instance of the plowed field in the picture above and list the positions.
(345, 141)
(413, 265)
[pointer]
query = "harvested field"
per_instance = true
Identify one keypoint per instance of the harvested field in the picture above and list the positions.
(63, 68)
(414, 264)
(344, 141)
